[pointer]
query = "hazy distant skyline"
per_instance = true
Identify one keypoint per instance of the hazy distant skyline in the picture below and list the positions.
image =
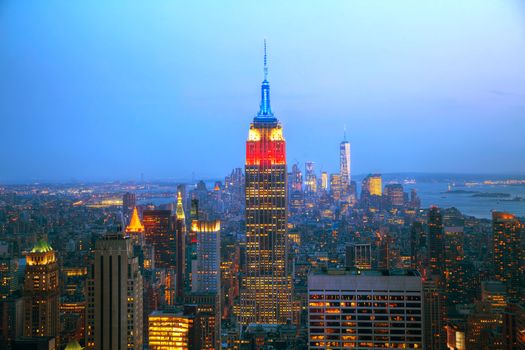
(106, 90)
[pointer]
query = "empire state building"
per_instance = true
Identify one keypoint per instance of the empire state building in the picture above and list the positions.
(266, 296)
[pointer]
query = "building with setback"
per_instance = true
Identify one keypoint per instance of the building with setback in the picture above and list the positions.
(266, 295)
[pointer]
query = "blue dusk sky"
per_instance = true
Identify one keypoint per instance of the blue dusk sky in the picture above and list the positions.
(105, 90)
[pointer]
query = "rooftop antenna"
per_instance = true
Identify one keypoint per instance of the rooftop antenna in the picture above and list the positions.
(265, 62)
(344, 132)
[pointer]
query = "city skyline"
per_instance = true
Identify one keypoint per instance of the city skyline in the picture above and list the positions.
(66, 124)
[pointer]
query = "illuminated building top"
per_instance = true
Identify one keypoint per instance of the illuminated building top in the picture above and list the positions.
(265, 114)
(134, 224)
(73, 345)
(41, 254)
(41, 246)
(180, 208)
(266, 144)
(205, 226)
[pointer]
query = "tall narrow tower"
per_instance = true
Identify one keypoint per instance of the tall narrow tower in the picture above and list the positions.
(266, 297)
(180, 253)
(344, 163)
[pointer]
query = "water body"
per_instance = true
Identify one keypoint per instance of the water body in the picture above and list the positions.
(435, 193)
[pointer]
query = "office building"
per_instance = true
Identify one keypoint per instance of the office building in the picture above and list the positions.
(453, 270)
(207, 274)
(335, 187)
(115, 296)
(508, 252)
(359, 256)
(169, 330)
(324, 181)
(372, 185)
(370, 310)
(435, 240)
(395, 196)
(158, 233)
(266, 295)
(310, 178)
(434, 314)
(344, 163)
(41, 292)
(494, 293)
(180, 252)
(129, 201)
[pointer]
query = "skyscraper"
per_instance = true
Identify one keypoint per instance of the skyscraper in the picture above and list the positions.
(506, 241)
(129, 201)
(435, 240)
(158, 232)
(267, 285)
(207, 276)
(180, 252)
(372, 185)
(453, 270)
(324, 181)
(114, 313)
(310, 178)
(41, 292)
(344, 163)
(395, 195)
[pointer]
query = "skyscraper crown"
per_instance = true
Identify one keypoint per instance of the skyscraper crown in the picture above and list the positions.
(265, 112)
(180, 209)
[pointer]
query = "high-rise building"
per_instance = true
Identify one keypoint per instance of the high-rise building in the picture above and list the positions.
(494, 293)
(267, 283)
(370, 310)
(41, 292)
(8, 274)
(335, 186)
(418, 244)
(168, 330)
(483, 326)
(115, 296)
(11, 318)
(507, 252)
(158, 233)
(207, 275)
(310, 178)
(434, 314)
(129, 201)
(205, 310)
(453, 271)
(324, 181)
(359, 256)
(371, 192)
(435, 240)
(180, 252)
(344, 163)
(395, 195)
(372, 185)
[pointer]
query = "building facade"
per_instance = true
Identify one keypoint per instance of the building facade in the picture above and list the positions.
(507, 252)
(115, 296)
(370, 310)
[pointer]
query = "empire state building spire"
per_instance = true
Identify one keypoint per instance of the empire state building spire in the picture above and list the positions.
(265, 112)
